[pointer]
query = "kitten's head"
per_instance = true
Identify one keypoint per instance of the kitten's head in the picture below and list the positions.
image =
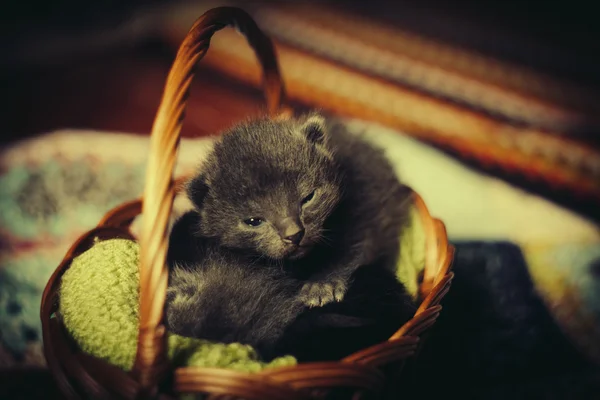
(268, 186)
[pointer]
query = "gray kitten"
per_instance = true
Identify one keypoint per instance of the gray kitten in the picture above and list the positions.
(304, 195)
(223, 299)
(218, 294)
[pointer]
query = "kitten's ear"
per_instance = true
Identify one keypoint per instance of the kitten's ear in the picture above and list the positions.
(197, 190)
(314, 128)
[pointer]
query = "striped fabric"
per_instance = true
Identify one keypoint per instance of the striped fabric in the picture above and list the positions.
(506, 118)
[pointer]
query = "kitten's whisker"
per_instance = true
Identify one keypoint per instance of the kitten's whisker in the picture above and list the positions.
(256, 260)
(259, 258)
(323, 239)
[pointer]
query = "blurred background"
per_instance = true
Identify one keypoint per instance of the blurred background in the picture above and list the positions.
(491, 107)
(490, 78)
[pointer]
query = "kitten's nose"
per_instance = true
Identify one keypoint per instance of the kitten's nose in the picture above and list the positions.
(295, 237)
(291, 230)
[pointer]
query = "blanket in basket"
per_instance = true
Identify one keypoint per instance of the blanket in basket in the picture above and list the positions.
(56, 186)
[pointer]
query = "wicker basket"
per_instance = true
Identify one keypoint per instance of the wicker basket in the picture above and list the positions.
(82, 376)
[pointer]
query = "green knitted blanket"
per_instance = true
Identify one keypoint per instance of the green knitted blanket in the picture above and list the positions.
(99, 305)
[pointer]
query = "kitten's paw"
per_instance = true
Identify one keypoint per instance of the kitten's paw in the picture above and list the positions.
(315, 294)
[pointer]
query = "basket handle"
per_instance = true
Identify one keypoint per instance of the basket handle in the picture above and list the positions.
(151, 361)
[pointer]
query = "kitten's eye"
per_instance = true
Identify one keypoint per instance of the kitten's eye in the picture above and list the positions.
(308, 198)
(253, 221)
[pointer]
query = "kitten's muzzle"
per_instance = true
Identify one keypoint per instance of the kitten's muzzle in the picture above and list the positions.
(294, 238)
(290, 230)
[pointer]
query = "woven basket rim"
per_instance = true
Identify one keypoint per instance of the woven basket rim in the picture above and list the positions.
(363, 363)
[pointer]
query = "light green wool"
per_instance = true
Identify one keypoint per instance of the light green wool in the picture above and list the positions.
(100, 309)
(99, 306)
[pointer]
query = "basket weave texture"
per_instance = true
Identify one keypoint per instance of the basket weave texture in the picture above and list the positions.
(82, 376)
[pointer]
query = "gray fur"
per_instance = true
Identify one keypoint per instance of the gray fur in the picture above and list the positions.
(265, 168)
(228, 301)
(232, 282)
(220, 295)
